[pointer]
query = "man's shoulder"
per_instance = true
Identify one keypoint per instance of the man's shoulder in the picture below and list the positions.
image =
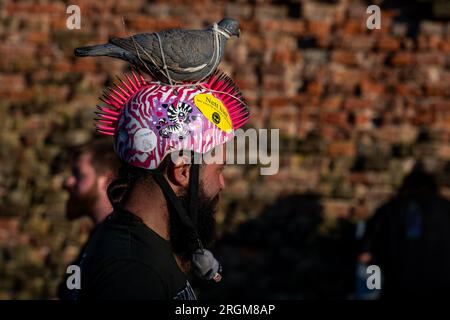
(125, 237)
(124, 253)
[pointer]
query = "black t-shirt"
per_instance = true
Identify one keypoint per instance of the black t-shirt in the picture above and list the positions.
(125, 259)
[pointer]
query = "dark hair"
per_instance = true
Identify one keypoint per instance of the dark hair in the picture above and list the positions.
(103, 156)
(128, 176)
(419, 183)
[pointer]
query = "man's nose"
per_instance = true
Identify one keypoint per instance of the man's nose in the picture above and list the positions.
(69, 182)
(222, 182)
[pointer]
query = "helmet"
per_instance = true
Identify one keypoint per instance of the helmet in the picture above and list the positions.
(150, 120)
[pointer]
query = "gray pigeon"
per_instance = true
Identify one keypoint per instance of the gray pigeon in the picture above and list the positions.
(189, 55)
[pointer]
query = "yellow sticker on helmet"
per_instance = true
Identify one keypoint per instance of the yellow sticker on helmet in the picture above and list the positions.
(214, 110)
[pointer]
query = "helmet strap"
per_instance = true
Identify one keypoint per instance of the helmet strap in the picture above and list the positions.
(194, 192)
(173, 199)
(204, 264)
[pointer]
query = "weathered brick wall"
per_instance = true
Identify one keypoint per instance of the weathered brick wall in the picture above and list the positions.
(354, 107)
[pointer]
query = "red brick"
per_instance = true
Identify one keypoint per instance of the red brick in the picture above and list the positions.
(431, 28)
(336, 208)
(424, 118)
(388, 43)
(403, 59)
(328, 133)
(324, 41)
(353, 27)
(358, 42)
(444, 46)
(15, 8)
(293, 26)
(362, 120)
(37, 37)
(314, 10)
(84, 65)
(354, 103)
(318, 27)
(334, 118)
(346, 79)
(245, 82)
(276, 102)
(272, 83)
(141, 23)
(286, 57)
(441, 105)
(434, 42)
(16, 96)
(344, 57)
(443, 151)
(239, 10)
(59, 23)
(408, 89)
(430, 58)
(271, 25)
(249, 26)
(267, 11)
(438, 89)
(332, 103)
(315, 88)
(63, 66)
(12, 82)
(341, 148)
(372, 88)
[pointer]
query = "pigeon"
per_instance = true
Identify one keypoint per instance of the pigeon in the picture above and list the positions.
(170, 56)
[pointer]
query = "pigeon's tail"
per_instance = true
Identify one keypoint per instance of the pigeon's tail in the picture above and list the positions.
(97, 50)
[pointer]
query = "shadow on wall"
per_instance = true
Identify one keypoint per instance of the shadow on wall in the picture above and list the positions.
(409, 239)
(286, 253)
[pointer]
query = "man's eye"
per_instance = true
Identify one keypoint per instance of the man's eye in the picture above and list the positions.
(80, 176)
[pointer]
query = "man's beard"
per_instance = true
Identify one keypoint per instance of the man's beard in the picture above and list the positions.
(181, 238)
(82, 205)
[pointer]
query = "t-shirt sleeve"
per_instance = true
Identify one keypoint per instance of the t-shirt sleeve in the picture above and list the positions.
(130, 280)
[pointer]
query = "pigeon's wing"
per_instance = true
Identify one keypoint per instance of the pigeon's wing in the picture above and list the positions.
(145, 46)
(187, 50)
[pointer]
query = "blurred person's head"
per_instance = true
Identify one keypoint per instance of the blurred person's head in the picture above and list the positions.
(419, 183)
(94, 165)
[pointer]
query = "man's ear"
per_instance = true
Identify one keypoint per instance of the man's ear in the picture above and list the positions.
(102, 182)
(178, 172)
(105, 179)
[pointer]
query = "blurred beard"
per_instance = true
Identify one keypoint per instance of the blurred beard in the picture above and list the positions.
(82, 205)
(181, 238)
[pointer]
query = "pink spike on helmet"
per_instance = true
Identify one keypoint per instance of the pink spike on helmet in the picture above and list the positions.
(150, 120)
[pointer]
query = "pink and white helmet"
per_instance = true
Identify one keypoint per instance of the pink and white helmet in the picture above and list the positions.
(150, 120)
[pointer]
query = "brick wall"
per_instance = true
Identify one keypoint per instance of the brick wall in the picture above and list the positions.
(355, 109)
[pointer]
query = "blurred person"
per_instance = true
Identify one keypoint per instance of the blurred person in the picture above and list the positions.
(409, 239)
(94, 165)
